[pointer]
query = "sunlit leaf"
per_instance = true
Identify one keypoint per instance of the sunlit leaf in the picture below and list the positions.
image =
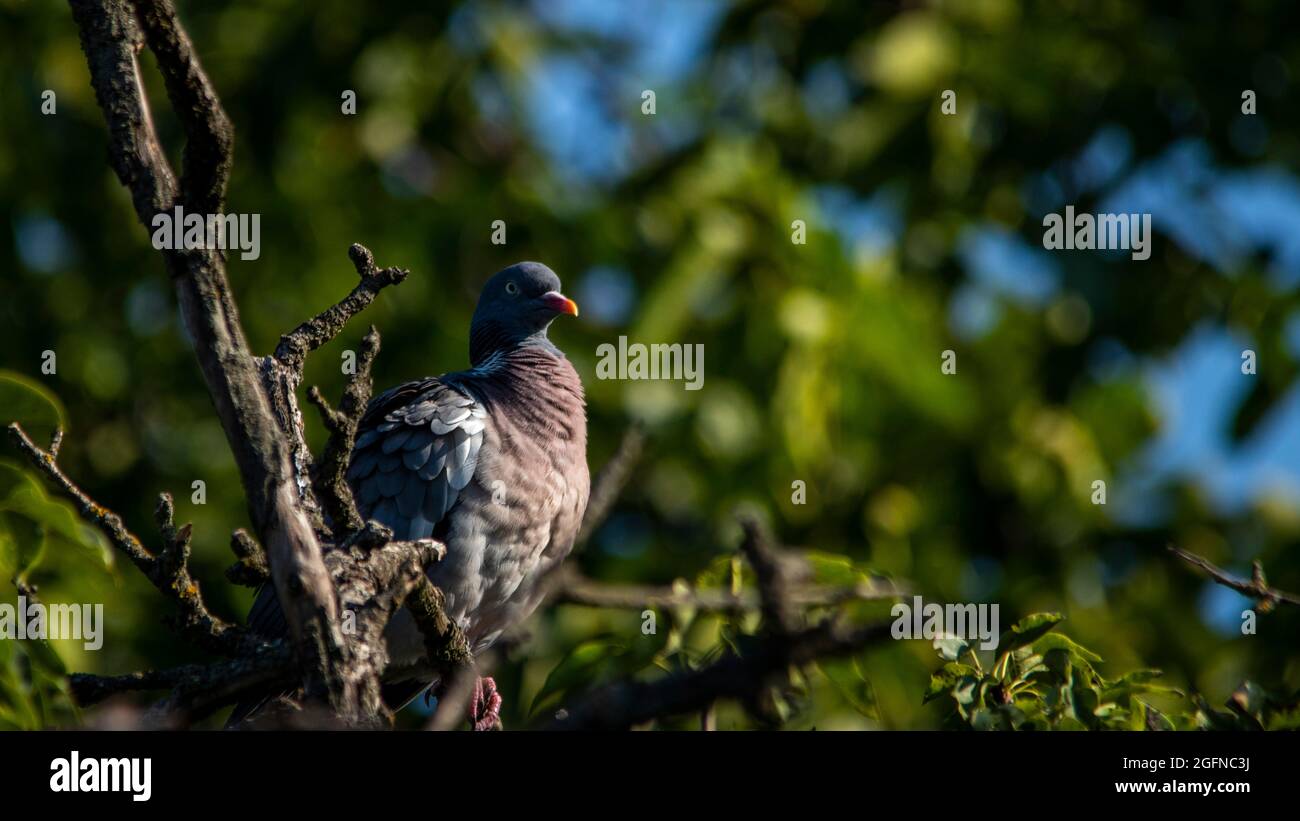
(1028, 630)
(32, 405)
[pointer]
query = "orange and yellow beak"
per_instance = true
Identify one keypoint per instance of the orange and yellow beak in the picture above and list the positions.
(559, 303)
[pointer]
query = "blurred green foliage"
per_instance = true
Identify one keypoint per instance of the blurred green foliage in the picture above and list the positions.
(822, 360)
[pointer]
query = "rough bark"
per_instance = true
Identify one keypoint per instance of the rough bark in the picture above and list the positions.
(112, 34)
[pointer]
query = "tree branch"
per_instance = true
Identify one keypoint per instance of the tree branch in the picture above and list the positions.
(271, 663)
(168, 571)
(254, 403)
(445, 644)
(573, 588)
(783, 643)
(320, 329)
(1257, 588)
(329, 477)
(777, 577)
(373, 580)
(448, 651)
(209, 135)
(251, 569)
(622, 705)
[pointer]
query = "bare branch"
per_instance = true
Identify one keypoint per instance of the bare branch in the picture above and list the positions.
(224, 682)
(1257, 588)
(168, 571)
(457, 692)
(315, 332)
(279, 504)
(447, 651)
(331, 484)
(251, 570)
(784, 643)
(209, 135)
(372, 583)
(111, 38)
(445, 644)
(106, 520)
(56, 442)
(777, 576)
(572, 588)
(622, 705)
(454, 697)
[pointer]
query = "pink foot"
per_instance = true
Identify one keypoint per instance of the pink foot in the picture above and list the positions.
(485, 707)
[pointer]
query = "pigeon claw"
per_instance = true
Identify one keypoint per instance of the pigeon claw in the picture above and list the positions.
(485, 708)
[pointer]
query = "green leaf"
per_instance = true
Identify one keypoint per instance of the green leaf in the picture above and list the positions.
(985, 719)
(582, 665)
(31, 404)
(1061, 641)
(949, 647)
(22, 543)
(29, 518)
(1084, 698)
(1139, 677)
(1135, 683)
(853, 685)
(719, 573)
(837, 570)
(1027, 663)
(947, 678)
(42, 653)
(1028, 630)
(1080, 657)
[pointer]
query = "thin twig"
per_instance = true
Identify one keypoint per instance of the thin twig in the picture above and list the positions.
(56, 442)
(168, 571)
(573, 588)
(251, 569)
(777, 576)
(1257, 588)
(315, 332)
(330, 475)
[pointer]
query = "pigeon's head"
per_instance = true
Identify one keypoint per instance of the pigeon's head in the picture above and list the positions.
(516, 307)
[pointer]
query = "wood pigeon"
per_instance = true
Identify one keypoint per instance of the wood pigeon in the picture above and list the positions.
(492, 461)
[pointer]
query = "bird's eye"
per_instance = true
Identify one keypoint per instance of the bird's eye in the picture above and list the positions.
(512, 288)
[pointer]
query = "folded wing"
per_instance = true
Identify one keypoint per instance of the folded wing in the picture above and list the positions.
(417, 448)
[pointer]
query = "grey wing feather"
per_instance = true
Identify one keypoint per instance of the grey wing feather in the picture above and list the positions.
(418, 458)
(410, 500)
(417, 449)
(390, 484)
(363, 466)
(435, 501)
